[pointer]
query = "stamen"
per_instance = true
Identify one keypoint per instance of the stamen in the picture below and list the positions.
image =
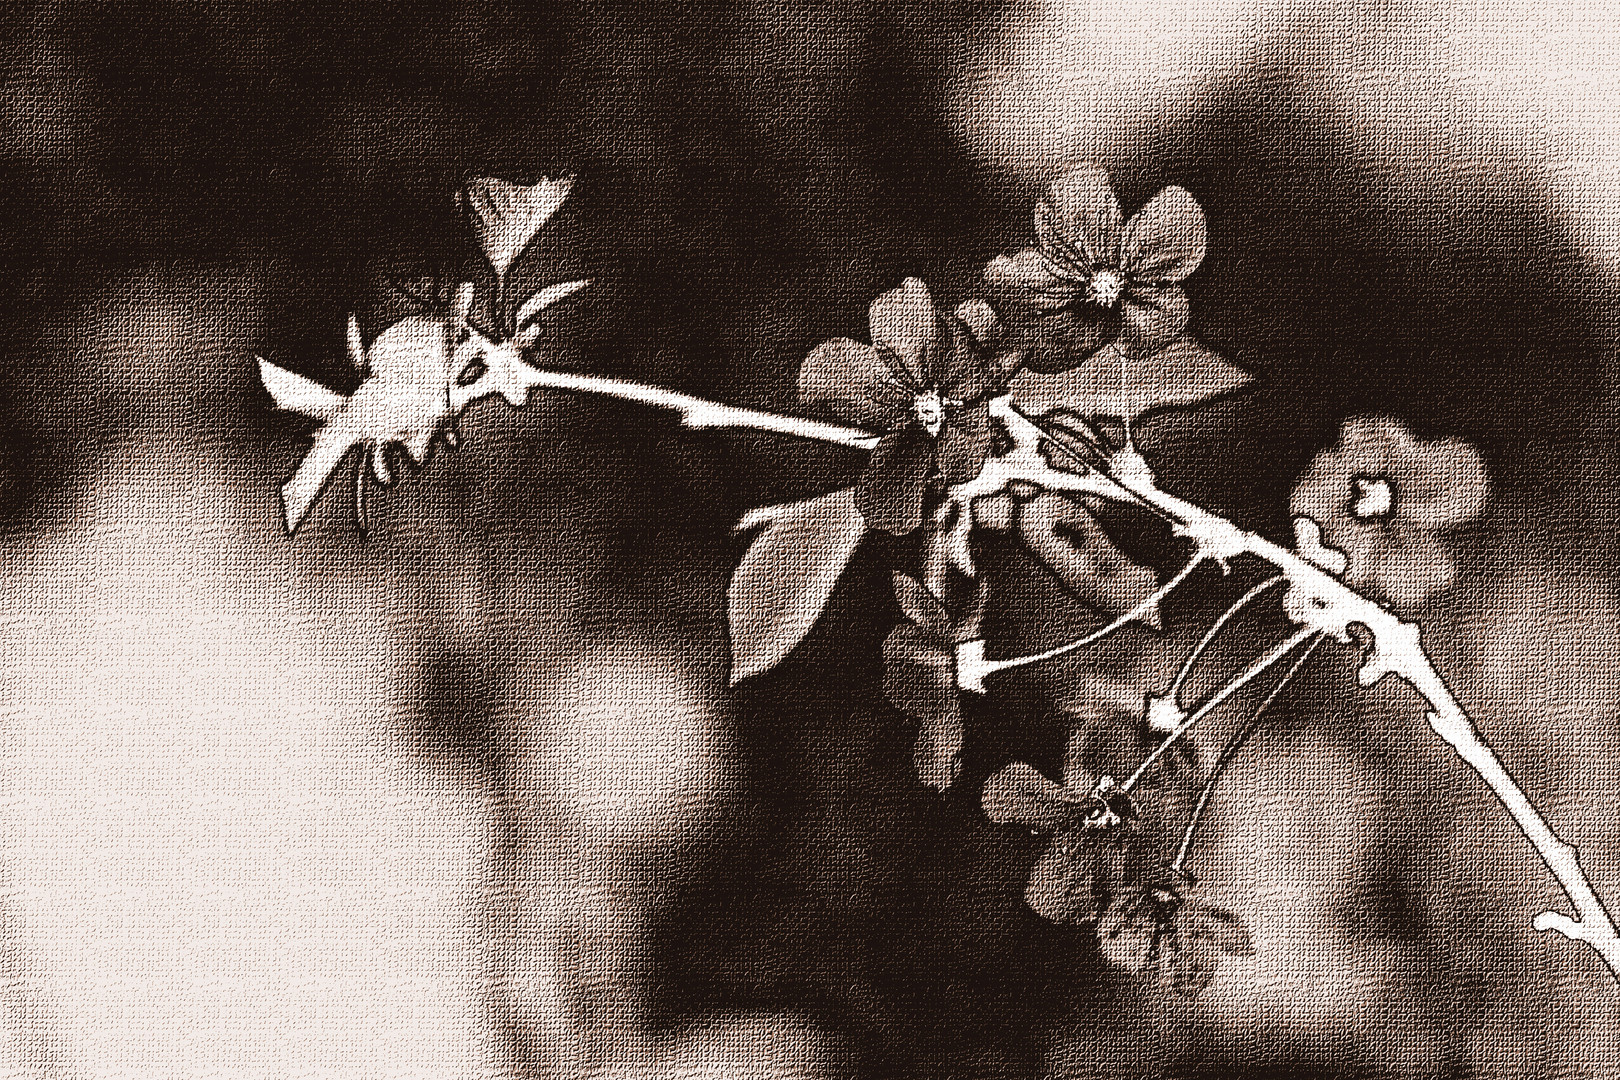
(1107, 286)
(929, 410)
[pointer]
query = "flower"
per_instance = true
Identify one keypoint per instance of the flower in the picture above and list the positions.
(1090, 282)
(921, 657)
(1382, 499)
(923, 382)
(1160, 927)
(1092, 824)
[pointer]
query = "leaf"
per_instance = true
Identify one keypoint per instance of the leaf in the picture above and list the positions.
(506, 216)
(1067, 540)
(787, 576)
(1125, 387)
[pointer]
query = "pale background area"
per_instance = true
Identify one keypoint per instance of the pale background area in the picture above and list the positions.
(425, 805)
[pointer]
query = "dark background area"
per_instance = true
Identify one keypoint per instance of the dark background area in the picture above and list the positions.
(750, 176)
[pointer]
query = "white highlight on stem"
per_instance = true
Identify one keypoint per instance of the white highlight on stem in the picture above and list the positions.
(1230, 751)
(701, 413)
(971, 670)
(1174, 693)
(1219, 698)
(1316, 600)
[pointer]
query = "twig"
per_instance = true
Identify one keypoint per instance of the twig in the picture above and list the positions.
(701, 413)
(1317, 601)
(1324, 604)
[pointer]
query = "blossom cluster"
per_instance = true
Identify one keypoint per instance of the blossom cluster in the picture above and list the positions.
(1087, 328)
(1007, 413)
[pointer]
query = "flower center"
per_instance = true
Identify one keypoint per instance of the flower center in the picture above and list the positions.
(929, 409)
(1107, 286)
(1374, 499)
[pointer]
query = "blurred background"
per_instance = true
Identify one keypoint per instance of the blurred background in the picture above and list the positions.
(468, 797)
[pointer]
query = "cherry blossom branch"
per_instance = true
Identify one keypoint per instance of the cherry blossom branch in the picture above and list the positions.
(1316, 600)
(701, 413)
(1320, 602)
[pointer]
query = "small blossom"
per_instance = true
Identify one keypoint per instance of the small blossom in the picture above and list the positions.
(920, 677)
(923, 382)
(1161, 928)
(1092, 825)
(1092, 281)
(1382, 500)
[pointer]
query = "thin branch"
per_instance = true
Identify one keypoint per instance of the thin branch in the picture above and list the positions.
(1316, 600)
(1229, 751)
(701, 413)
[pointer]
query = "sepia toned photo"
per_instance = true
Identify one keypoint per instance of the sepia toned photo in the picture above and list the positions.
(788, 540)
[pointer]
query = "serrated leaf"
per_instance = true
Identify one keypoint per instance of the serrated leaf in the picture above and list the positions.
(787, 576)
(1116, 384)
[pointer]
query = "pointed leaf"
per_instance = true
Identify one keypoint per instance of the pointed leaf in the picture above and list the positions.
(1124, 387)
(506, 216)
(787, 576)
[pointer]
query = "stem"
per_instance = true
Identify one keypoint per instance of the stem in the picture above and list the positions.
(1316, 600)
(1174, 693)
(1229, 751)
(701, 413)
(1219, 698)
(990, 667)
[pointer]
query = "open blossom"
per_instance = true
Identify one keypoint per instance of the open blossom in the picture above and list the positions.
(1161, 928)
(1092, 281)
(1382, 500)
(1092, 825)
(923, 382)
